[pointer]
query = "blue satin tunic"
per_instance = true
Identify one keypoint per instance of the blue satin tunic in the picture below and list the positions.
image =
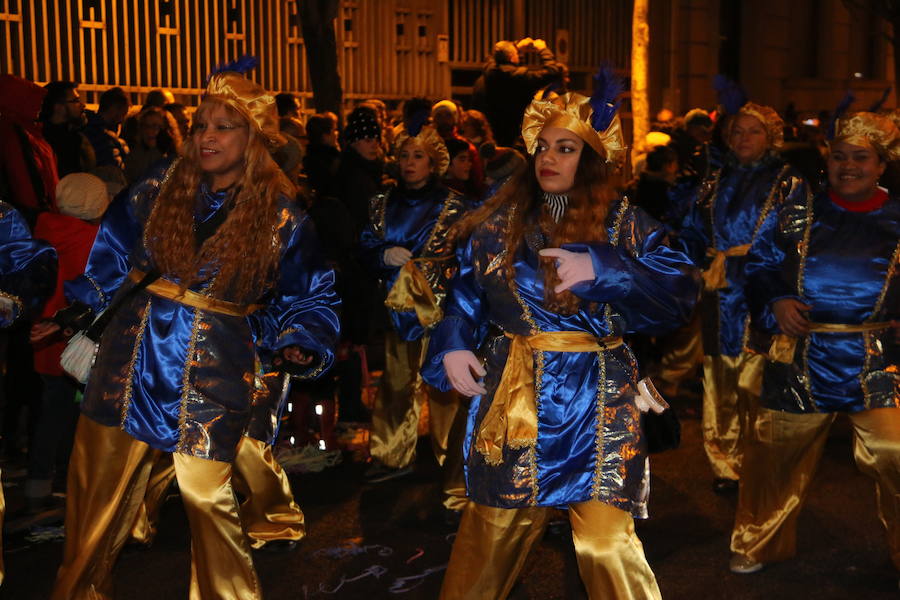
(27, 266)
(844, 265)
(728, 212)
(184, 379)
(589, 443)
(417, 220)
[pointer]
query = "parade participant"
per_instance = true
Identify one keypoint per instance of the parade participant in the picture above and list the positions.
(27, 276)
(717, 233)
(555, 271)
(406, 242)
(823, 275)
(239, 273)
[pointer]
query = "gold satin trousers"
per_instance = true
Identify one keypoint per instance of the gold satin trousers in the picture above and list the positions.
(108, 477)
(781, 458)
(731, 388)
(268, 511)
(492, 544)
(395, 419)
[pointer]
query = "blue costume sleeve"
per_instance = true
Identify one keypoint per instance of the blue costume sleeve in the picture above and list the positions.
(27, 266)
(303, 310)
(651, 285)
(765, 281)
(110, 258)
(463, 325)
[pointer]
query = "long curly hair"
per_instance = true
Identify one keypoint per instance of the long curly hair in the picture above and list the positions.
(584, 221)
(241, 257)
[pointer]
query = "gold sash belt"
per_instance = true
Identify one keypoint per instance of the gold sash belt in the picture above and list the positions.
(411, 291)
(511, 419)
(167, 289)
(714, 276)
(783, 345)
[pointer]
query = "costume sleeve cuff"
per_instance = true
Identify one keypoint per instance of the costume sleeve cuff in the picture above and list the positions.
(612, 275)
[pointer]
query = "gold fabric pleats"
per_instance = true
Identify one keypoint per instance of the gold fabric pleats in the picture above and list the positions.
(108, 478)
(395, 419)
(781, 458)
(511, 419)
(731, 389)
(492, 545)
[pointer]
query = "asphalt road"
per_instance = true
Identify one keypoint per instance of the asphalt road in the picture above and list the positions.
(390, 541)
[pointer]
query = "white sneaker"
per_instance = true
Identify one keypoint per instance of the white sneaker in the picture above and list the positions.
(743, 565)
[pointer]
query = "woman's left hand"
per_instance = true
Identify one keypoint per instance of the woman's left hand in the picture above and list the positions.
(297, 355)
(572, 267)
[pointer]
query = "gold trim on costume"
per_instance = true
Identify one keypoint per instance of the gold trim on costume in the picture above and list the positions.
(186, 381)
(601, 421)
(867, 338)
(97, 287)
(172, 291)
(129, 381)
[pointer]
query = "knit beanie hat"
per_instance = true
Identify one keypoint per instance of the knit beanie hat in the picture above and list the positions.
(362, 124)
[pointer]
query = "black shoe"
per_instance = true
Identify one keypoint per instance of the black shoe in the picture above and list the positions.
(279, 546)
(723, 485)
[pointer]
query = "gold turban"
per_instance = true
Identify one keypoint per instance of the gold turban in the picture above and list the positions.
(430, 141)
(765, 115)
(572, 112)
(872, 131)
(251, 100)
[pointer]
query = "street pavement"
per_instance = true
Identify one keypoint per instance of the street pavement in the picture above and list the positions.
(390, 540)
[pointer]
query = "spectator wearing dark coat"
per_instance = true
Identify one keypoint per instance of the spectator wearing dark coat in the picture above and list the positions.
(102, 129)
(323, 156)
(62, 114)
(510, 86)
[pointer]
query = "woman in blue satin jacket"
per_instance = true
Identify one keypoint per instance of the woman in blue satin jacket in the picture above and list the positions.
(555, 270)
(725, 218)
(823, 277)
(240, 278)
(405, 244)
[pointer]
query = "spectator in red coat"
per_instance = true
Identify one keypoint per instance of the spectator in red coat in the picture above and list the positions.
(82, 199)
(27, 164)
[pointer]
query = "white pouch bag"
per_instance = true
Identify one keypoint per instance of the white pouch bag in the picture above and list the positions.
(78, 357)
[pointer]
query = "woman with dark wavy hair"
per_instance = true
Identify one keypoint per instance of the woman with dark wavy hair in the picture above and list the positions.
(235, 280)
(157, 138)
(557, 268)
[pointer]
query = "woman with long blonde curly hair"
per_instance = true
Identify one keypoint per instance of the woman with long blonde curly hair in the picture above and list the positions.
(553, 272)
(214, 271)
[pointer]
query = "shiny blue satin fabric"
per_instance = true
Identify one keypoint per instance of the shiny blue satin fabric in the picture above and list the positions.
(843, 270)
(27, 266)
(589, 441)
(722, 217)
(184, 379)
(408, 220)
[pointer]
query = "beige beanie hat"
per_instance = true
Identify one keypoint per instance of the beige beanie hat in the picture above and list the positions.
(82, 195)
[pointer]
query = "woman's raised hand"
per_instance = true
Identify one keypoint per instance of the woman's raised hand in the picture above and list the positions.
(572, 267)
(459, 366)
